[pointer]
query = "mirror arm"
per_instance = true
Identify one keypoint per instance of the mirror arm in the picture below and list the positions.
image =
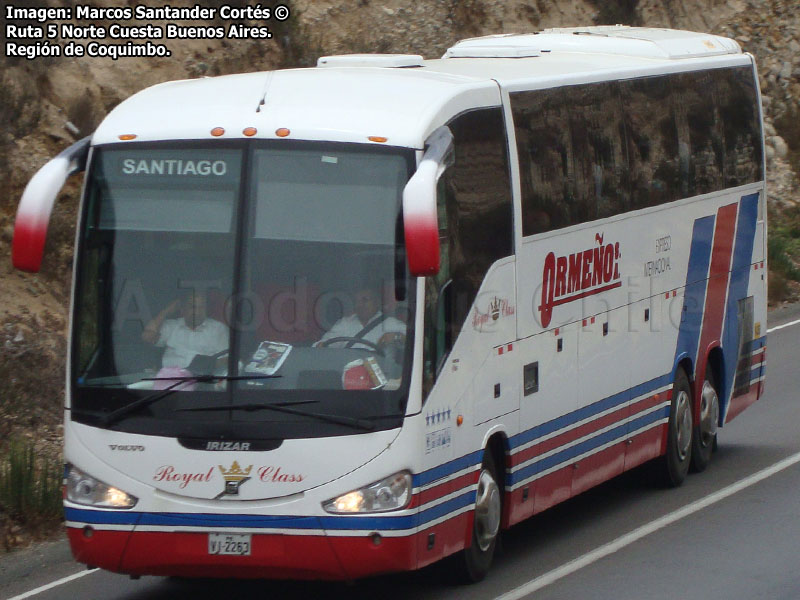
(33, 213)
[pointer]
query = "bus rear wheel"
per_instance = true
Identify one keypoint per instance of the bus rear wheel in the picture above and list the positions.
(705, 432)
(486, 523)
(675, 464)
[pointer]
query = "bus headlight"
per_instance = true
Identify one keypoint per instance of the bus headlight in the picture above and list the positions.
(391, 493)
(85, 489)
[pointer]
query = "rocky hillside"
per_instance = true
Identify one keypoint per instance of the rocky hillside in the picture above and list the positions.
(46, 103)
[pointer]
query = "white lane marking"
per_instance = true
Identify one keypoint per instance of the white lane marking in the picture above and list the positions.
(782, 326)
(50, 586)
(645, 530)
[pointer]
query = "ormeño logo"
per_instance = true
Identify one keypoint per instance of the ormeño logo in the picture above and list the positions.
(578, 275)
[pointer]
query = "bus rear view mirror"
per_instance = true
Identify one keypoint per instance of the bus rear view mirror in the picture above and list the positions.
(33, 214)
(419, 205)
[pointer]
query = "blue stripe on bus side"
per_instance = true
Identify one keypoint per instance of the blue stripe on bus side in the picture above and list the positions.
(586, 412)
(107, 517)
(448, 468)
(563, 457)
(739, 282)
(694, 296)
(331, 523)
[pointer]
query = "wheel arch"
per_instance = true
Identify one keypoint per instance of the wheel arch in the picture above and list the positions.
(683, 361)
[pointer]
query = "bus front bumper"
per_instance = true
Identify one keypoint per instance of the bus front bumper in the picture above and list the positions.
(272, 556)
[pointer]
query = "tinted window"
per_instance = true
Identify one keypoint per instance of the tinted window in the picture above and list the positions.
(652, 141)
(328, 195)
(593, 151)
(475, 229)
(699, 133)
(741, 127)
(479, 208)
(544, 145)
(598, 151)
(186, 190)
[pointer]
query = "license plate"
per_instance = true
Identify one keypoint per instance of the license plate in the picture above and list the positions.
(233, 544)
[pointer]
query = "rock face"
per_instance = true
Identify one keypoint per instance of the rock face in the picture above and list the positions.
(38, 98)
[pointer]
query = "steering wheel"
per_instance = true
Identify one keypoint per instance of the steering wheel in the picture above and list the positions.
(372, 345)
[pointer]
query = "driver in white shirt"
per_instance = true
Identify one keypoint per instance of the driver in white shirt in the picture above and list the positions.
(192, 333)
(367, 322)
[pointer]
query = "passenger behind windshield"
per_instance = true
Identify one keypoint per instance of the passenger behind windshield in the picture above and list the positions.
(367, 323)
(186, 330)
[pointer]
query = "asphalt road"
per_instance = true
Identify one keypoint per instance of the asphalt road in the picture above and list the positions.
(703, 540)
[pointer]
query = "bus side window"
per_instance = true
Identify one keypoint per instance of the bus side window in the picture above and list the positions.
(699, 132)
(657, 161)
(475, 228)
(437, 337)
(544, 146)
(598, 151)
(738, 107)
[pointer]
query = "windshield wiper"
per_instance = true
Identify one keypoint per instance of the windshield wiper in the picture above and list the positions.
(280, 407)
(123, 411)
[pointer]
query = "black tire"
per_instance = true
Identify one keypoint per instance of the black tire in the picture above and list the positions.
(674, 465)
(704, 436)
(477, 559)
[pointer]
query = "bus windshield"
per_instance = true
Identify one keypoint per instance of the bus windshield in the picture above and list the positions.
(239, 276)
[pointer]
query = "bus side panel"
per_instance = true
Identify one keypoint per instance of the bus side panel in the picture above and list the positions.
(745, 347)
(651, 335)
(604, 340)
(624, 374)
(476, 394)
(540, 474)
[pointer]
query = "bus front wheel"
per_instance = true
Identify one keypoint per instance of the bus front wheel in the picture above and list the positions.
(486, 523)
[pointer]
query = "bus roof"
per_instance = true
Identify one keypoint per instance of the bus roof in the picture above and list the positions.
(401, 97)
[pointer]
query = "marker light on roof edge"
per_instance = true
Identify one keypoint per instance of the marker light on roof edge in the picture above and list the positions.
(282, 132)
(377, 138)
(217, 131)
(250, 131)
(127, 136)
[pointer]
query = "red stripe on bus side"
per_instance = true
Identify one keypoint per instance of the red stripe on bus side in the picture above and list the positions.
(588, 428)
(719, 274)
(758, 359)
(444, 488)
(739, 403)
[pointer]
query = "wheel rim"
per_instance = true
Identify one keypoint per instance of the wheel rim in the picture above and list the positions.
(709, 414)
(487, 511)
(683, 424)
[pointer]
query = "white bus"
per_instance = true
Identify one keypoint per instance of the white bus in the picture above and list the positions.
(353, 319)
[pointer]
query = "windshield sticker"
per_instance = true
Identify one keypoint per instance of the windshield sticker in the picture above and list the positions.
(268, 358)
